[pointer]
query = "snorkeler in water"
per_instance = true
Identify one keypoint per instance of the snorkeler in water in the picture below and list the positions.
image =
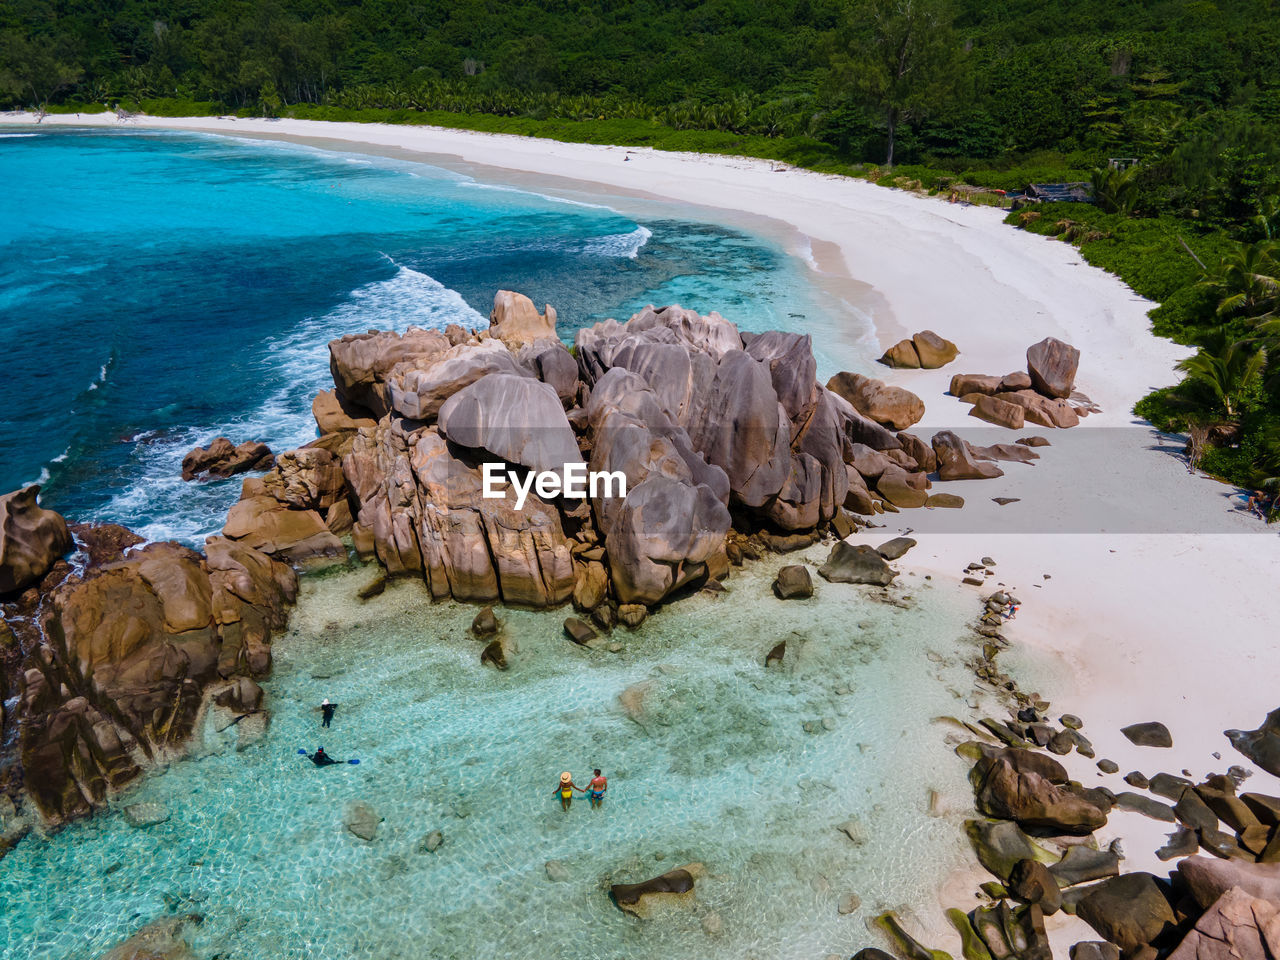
(565, 789)
(320, 758)
(326, 712)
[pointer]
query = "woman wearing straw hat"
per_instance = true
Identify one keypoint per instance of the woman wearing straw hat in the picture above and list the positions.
(565, 788)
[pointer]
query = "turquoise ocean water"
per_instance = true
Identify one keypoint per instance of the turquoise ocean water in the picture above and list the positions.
(157, 290)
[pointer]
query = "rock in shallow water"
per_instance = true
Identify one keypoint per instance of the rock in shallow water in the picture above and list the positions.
(361, 819)
(675, 887)
(856, 564)
(146, 814)
(793, 581)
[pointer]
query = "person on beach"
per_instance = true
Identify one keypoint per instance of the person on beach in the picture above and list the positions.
(326, 712)
(1012, 612)
(565, 789)
(596, 788)
(320, 758)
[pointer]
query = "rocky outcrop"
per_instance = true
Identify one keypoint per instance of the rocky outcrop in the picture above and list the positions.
(512, 418)
(418, 392)
(1208, 878)
(332, 415)
(1237, 926)
(31, 539)
(427, 516)
(1130, 910)
(1028, 798)
(222, 458)
(515, 320)
(118, 658)
(890, 406)
(362, 365)
(1262, 745)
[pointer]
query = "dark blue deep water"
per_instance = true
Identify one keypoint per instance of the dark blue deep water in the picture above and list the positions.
(160, 289)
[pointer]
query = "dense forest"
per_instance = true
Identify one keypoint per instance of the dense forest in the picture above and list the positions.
(922, 94)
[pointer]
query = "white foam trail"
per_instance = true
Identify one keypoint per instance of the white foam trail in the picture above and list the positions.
(160, 505)
(620, 245)
(101, 378)
(16, 136)
(503, 188)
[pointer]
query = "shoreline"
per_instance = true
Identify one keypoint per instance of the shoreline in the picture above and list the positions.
(1123, 624)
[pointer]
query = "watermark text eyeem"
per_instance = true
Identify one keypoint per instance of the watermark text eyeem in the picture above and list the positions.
(573, 481)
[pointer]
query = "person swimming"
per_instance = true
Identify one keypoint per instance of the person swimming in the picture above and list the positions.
(321, 759)
(596, 788)
(326, 712)
(565, 788)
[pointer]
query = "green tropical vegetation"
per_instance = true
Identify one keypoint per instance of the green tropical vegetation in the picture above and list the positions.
(1168, 110)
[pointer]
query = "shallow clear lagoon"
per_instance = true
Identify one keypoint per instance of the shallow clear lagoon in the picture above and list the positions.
(746, 770)
(158, 289)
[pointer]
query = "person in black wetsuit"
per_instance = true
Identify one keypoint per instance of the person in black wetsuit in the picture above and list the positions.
(326, 712)
(320, 758)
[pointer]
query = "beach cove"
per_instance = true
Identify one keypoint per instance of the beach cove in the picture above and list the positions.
(1113, 606)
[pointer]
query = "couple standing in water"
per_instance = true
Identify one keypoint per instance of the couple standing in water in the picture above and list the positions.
(594, 791)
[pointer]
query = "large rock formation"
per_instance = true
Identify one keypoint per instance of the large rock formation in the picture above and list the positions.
(702, 421)
(117, 658)
(31, 539)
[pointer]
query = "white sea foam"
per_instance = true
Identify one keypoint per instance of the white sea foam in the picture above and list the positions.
(160, 505)
(619, 245)
(17, 136)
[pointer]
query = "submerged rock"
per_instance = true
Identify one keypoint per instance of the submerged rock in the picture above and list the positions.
(557, 872)
(159, 940)
(432, 842)
(361, 820)
(676, 887)
(146, 814)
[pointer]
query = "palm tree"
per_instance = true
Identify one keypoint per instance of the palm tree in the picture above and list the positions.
(1246, 280)
(1115, 190)
(1229, 368)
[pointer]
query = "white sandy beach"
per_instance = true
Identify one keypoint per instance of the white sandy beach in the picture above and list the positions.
(1159, 601)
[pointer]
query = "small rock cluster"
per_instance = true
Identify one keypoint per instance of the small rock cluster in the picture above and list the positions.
(926, 350)
(1042, 395)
